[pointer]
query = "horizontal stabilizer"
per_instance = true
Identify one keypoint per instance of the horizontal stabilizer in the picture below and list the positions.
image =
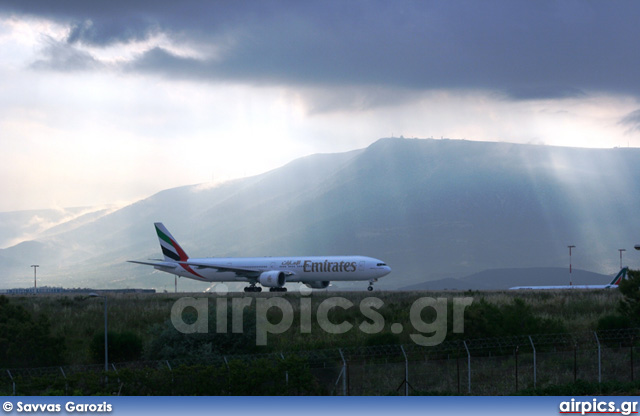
(163, 264)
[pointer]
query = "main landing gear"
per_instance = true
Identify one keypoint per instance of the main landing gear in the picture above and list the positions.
(256, 289)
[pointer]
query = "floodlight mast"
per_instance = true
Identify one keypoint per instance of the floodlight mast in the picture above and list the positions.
(570, 275)
(35, 284)
(106, 347)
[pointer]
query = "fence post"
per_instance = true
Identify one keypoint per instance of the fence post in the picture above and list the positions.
(458, 370)
(516, 353)
(575, 361)
(338, 379)
(599, 358)
(117, 375)
(66, 384)
(226, 363)
(406, 372)
(344, 373)
(534, 362)
(286, 373)
(631, 354)
(12, 382)
(468, 366)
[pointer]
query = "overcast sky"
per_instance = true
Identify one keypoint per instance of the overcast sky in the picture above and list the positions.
(112, 101)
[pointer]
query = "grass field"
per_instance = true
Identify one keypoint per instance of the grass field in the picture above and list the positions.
(77, 319)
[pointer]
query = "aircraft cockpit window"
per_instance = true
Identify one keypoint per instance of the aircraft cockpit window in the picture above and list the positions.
(381, 264)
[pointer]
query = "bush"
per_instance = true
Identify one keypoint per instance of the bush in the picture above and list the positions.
(123, 346)
(630, 304)
(614, 322)
(383, 338)
(483, 320)
(168, 343)
(25, 340)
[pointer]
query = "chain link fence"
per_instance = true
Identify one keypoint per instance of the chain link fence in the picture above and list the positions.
(491, 366)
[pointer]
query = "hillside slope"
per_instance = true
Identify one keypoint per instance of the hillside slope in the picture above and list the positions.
(430, 208)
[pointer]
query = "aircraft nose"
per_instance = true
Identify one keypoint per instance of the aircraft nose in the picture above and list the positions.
(386, 270)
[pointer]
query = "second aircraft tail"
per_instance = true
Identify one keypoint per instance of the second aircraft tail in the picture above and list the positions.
(622, 274)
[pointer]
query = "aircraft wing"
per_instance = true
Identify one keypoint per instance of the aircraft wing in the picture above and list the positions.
(250, 273)
(239, 271)
(163, 264)
(197, 265)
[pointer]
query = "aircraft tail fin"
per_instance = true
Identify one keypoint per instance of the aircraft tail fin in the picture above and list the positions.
(170, 247)
(622, 274)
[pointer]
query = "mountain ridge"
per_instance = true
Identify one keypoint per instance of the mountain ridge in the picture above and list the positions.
(429, 208)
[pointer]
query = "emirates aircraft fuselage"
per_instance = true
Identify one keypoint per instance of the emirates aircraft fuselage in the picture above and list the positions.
(272, 272)
(297, 269)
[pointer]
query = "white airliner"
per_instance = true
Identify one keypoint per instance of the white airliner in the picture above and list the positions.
(622, 274)
(271, 272)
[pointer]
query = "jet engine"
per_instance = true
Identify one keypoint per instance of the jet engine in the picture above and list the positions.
(273, 278)
(318, 285)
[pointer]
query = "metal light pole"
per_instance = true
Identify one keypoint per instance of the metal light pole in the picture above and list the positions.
(621, 250)
(35, 285)
(106, 348)
(570, 279)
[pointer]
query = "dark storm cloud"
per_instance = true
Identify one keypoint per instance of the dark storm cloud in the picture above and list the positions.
(631, 121)
(523, 49)
(111, 31)
(60, 56)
